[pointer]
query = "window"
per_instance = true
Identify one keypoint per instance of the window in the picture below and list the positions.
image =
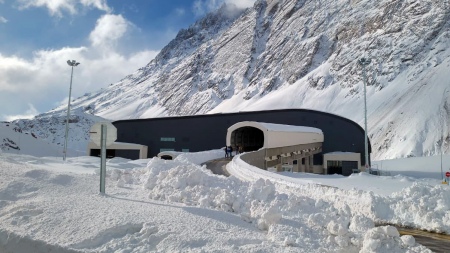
(185, 150)
(168, 139)
(166, 149)
(334, 163)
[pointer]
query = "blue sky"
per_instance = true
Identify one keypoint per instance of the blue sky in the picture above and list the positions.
(110, 38)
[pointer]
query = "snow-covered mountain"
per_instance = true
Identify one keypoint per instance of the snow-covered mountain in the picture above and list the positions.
(303, 54)
(49, 128)
(14, 140)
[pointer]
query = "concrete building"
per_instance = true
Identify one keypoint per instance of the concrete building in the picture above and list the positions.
(277, 144)
(125, 149)
(205, 132)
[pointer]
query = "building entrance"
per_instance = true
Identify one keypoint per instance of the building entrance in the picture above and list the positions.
(342, 167)
(249, 138)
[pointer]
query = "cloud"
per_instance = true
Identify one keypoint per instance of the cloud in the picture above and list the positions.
(57, 7)
(108, 30)
(201, 7)
(29, 114)
(3, 20)
(45, 76)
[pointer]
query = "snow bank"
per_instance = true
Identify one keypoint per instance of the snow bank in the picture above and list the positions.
(290, 218)
(49, 209)
(200, 157)
(421, 205)
(58, 211)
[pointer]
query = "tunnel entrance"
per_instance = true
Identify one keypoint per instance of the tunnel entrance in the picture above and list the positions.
(249, 138)
(166, 157)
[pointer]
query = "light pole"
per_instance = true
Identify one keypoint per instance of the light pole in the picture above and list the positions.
(71, 63)
(364, 62)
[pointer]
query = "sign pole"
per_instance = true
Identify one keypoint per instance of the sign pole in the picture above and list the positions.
(103, 134)
(103, 159)
(447, 175)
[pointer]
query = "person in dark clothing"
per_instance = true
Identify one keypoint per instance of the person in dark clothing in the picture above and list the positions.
(230, 151)
(226, 151)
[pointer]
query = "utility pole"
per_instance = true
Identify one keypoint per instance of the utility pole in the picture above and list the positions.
(71, 63)
(364, 62)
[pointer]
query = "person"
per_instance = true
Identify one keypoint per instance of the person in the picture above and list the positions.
(226, 151)
(230, 151)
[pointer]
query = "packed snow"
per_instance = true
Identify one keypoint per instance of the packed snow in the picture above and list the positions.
(155, 205)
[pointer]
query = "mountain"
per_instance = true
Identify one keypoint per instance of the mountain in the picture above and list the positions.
(14, 140)
(304, 54)
(49, 130)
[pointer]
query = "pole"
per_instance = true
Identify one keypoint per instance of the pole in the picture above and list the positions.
(364, 62)
(103, 159)
(442, 172)
(67, 118)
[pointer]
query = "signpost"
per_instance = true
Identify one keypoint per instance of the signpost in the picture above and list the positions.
(447, 175)
(103, 134)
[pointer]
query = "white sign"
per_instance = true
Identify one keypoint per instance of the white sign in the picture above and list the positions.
(96, 133)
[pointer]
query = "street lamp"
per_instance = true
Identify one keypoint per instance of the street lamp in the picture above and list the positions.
(364, 62)
(71, 63)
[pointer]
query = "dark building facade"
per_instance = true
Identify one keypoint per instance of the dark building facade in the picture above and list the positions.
(206, 132)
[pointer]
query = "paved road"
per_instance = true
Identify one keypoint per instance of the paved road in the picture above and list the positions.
(436, 242)
(218, 166)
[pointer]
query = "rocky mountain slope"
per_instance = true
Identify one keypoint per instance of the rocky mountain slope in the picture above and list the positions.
(303, 54)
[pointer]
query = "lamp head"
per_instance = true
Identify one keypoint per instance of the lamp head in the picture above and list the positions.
(73, 63)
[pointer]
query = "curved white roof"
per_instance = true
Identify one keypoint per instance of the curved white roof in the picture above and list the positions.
(278, 135)
(288, 128)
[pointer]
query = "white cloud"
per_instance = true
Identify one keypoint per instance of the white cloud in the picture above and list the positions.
(44, 78)
(202, 7)
(56, 7)
(108, 30)
(3, 20)
(29, 114)
(242, 3)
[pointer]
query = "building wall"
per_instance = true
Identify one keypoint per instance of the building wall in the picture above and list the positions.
(342, 157)
(119, 150)
(281, 139)
(206, 132)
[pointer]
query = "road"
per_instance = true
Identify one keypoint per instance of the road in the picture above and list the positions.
(438, 243)
(218, 166)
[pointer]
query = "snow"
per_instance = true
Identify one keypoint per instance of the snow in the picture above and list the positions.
(158, 205)
(290, 128)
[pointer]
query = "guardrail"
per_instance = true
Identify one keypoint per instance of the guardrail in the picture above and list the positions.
(255, 158)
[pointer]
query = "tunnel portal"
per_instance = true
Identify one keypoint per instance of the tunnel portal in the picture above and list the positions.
(249, 138)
